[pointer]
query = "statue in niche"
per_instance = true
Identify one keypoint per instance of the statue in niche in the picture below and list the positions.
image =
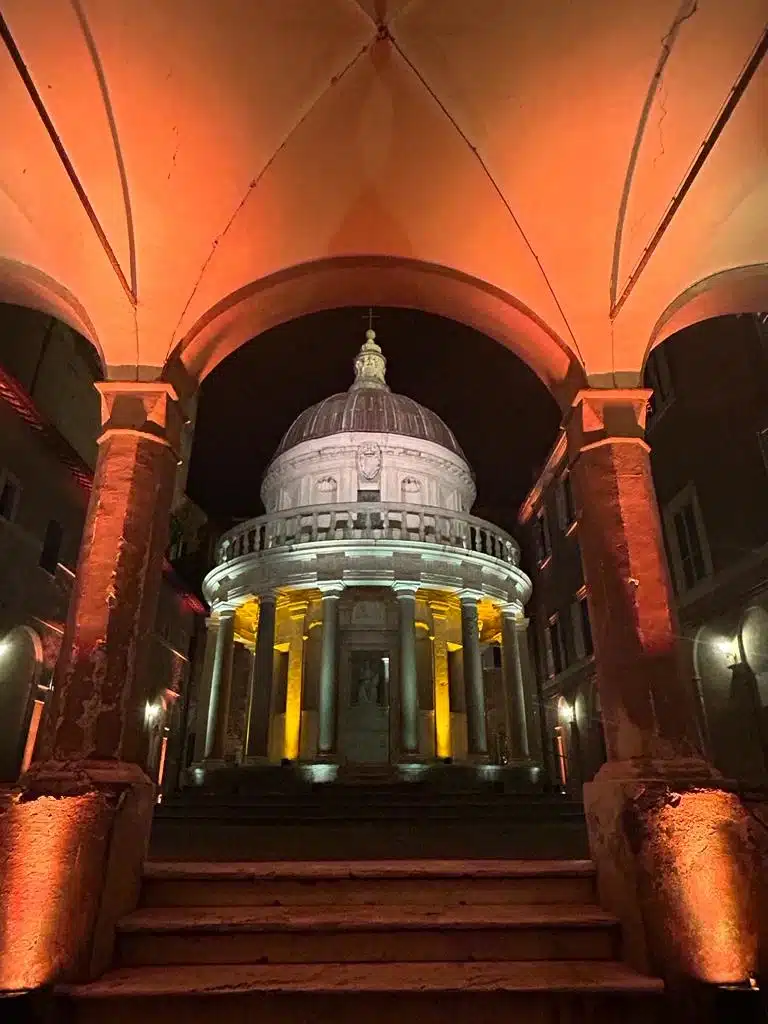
(366, 680)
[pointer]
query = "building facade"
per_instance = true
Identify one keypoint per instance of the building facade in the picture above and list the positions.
(708, 434)
(367, 621)
(49, 422)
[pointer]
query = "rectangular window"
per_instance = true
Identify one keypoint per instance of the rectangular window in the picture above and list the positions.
(369, 495)
(566, 511)
(659, 379)
(49, 556)
(10, 492)
(555, 633)
(549, 657)
(541, 540)
(691, 560)
(582, 632)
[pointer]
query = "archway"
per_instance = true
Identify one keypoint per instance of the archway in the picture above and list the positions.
(21, 658)
(376, 281)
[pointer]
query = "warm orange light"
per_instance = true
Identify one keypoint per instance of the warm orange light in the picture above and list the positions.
(442, 692)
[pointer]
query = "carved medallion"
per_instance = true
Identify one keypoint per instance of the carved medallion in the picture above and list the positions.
(369, 461)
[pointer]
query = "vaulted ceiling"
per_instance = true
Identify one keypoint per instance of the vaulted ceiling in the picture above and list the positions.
(569, 177)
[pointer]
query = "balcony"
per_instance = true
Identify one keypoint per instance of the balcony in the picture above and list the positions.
(416, 524)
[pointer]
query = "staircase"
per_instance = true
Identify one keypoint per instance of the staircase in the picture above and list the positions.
(368, 821)
(337, 942)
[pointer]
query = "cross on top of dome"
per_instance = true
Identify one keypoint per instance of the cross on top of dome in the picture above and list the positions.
(370, 364)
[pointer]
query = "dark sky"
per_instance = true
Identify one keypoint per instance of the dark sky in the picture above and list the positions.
(502, 415)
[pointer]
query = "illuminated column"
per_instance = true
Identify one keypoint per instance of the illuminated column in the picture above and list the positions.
(409, 683)
(260, 707)
(98, 697)
(221, 686)
(292, 741)
(204, 694)
(440, 679)
(514, 684)
(648, 704)
(473, 675)
(328, 675)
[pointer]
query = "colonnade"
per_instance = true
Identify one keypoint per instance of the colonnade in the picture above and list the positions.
(216, 683)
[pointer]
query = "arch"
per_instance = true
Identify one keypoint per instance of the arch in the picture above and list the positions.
(21, 661)
(23, 285)
(738, 290)
(377, 281)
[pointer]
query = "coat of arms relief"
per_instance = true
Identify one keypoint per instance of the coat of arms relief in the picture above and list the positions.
(369, 461)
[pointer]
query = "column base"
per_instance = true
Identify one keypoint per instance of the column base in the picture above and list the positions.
(73, 840)
(676, 865)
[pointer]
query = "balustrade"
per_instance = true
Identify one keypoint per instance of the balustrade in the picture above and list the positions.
(417, 524)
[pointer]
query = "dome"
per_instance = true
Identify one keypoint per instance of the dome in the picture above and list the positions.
(369, 406)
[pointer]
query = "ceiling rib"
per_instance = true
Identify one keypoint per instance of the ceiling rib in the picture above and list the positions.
(486, 170)
(34, 95)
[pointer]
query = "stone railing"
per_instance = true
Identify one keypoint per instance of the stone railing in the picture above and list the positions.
(417, 524)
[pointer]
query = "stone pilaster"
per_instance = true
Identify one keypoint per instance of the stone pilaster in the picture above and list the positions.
(440, 678)
(473, 676)
(221, 686)
(260, 708)
(514, 685)
(295, 686)
(409, 684)
(326, 739)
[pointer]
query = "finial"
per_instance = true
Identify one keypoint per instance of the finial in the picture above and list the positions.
(370, 364)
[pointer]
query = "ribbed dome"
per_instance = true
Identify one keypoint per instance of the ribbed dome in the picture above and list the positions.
(369, 406)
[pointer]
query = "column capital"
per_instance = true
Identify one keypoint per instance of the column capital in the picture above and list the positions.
(405, 589)
(267, 596)
(469, 598)
(150, 409)
(513, 610)
(226, 611)
(601, 416)
(331, 590)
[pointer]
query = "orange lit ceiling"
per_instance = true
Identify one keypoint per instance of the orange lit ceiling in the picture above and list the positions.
(168, 170)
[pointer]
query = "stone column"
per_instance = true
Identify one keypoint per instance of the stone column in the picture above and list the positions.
(473, 676)
(260, 709)
(294, 689)
(671, 846)
(409, 683)
(221, 686)
(533, 712)
(648, 703)
(204, 695)
(440, 679)
(326, 736)
(72, 842)
(514, 685)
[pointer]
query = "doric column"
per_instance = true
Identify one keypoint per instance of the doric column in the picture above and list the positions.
(648, 705)
(326, 739)
(295, 686)
(473, 675)
(204, 689)
(514, 684)
(409, 684)
(221, 686)
(260, 707)
(98, 700)
(440, 678)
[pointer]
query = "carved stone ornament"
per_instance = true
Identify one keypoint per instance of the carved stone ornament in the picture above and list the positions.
(369, 461)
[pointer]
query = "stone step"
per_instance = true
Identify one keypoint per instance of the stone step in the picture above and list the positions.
(413, 882)
(238, 839)
(526, 992)
(362, 934)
